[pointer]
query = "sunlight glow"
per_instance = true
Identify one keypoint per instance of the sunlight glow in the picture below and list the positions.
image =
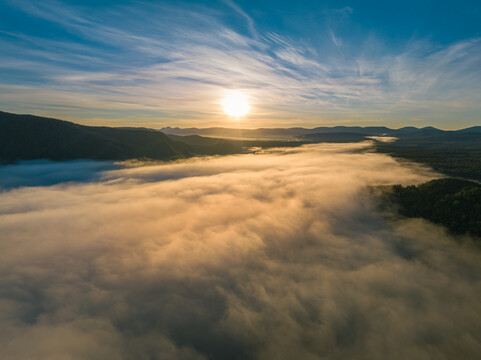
(236, 104)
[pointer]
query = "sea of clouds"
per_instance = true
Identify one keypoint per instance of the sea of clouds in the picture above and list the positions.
(282, 254)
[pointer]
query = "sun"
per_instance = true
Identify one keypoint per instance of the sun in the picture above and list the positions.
(236, 104)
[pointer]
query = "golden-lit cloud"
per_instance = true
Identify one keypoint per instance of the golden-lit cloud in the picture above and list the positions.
(283, 254)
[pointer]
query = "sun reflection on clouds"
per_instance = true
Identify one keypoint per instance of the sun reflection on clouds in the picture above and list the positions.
(261, 256)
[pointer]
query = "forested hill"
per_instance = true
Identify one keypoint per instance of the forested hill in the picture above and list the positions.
(454, 203)
(25, 137)
(454, 153)
(28, 137)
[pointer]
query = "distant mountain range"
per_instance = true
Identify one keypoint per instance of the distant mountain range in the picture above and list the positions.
(28, 137)
(298, 132)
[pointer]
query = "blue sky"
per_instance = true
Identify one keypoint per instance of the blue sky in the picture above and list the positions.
(302, 63)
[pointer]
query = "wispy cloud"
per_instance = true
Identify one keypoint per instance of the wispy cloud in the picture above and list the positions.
(344, 11)
(179, 62)
(249, 20)
(334, 38)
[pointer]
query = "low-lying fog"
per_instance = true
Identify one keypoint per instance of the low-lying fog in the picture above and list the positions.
(279, 255)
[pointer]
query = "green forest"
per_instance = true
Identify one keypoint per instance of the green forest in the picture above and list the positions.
(454, 203)
(455, 153)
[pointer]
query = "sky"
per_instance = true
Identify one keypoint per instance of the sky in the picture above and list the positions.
(283, 254)
(300, 63)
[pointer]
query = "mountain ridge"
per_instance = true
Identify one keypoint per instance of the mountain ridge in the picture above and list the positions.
(29, 137)
(295, 132)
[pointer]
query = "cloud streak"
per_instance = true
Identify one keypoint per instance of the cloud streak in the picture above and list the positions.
(165, 62)
(281, 254)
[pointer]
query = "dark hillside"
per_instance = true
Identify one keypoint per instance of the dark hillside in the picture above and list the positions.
(455, 153)
(210, 146)
(341, 137)
(454, 203)
(27, 137)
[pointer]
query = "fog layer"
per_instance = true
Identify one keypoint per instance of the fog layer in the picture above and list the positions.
(278, 255)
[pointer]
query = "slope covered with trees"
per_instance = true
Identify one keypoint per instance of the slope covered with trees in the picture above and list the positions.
(454, 153)
(26, 137)
(454, 203)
